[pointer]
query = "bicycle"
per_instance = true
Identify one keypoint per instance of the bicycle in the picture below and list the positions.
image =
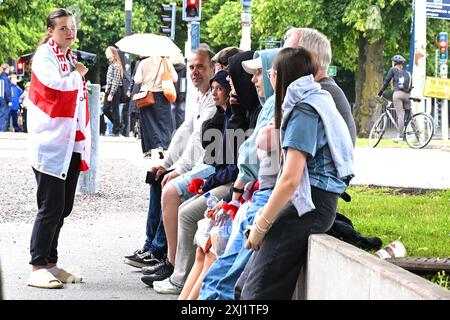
(418, 130)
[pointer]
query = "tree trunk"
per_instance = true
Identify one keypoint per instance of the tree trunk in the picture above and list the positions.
(368, 80)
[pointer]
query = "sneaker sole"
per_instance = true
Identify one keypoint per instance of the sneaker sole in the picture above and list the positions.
(134, 263)
(166, 291)
(147, 282)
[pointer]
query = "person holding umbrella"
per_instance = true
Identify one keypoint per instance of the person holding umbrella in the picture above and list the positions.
(156, 120)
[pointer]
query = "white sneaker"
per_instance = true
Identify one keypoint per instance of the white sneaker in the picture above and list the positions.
(166, 287)
(397, 140)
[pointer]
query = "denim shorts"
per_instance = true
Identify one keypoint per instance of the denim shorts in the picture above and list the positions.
(181, 183)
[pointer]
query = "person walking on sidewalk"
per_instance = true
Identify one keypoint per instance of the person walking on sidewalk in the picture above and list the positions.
(5, 97)
(155, 121)
(16, 92)
(113, 91)
(59, 140)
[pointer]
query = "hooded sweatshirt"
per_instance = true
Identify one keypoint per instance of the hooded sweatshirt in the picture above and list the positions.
(248, 161)
(305, 91)
(246, 112)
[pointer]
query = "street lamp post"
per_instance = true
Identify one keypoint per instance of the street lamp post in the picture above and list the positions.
(246, 22)
(127, 60)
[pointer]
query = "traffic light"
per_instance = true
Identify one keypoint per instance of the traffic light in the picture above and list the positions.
(168, 15)
(443, 46)
(192, 10)
(20, 68)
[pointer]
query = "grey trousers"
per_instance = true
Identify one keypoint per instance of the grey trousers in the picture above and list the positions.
(189, 213)
(401, 103)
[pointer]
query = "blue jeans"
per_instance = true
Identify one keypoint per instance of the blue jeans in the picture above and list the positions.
(156, 241)
(13, 114)
(221, 278)
(4, 115)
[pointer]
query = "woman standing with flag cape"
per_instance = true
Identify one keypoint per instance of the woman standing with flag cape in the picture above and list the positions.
(59, 143)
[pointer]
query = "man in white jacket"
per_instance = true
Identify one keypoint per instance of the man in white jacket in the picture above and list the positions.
(185, 150)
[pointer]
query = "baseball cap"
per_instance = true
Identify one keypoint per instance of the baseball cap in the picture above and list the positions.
(251, 66)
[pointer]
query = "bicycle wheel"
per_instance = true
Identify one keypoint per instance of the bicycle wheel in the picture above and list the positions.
(377, 131)
(419, 130)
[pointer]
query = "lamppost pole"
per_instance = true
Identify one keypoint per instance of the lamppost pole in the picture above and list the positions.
(246, 22)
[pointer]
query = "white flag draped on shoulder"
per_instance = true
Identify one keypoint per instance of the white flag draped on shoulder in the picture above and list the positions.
(58, 116)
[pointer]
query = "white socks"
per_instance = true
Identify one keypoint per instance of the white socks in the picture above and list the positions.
(54, 271)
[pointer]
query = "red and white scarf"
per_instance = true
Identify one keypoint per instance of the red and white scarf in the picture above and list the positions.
(59, 115)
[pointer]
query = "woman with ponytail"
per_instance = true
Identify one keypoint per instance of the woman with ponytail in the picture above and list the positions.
(113, 91)
(59, 140)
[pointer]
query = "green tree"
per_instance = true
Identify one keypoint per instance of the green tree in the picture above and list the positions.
(21, 27)
(377, 26)
(223, 28)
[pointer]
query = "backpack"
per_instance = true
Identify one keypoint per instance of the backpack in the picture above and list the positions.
(404, 80)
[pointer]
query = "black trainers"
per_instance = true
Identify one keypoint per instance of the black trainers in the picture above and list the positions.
(137, 252)
(147, 270)
(161, 273)
(148, 154)
(141, 259)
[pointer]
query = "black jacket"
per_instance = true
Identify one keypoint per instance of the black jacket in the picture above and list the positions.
(225, 161)
(246, 112)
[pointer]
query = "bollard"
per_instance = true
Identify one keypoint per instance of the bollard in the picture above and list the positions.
(88, 181)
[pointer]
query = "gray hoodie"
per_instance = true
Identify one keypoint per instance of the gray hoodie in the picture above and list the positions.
(305, 90)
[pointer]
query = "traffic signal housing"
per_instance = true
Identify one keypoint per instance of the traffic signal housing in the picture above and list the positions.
(20, 68)
(192, 10)
(168, 16)
(443, 46)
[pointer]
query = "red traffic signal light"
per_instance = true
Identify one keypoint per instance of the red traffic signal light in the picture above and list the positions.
(20, 68)
(443, 46)
(192, 10)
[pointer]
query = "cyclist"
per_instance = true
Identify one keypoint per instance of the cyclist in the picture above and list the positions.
(402, 88)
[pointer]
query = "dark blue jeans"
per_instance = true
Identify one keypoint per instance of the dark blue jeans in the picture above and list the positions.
(156, 241)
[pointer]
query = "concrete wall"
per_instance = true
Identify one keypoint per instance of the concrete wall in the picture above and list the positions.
(337, 270)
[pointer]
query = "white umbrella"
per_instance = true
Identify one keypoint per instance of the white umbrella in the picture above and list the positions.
(148, 44)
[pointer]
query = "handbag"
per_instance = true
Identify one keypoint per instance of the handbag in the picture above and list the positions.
(167, 84)
(144, 99)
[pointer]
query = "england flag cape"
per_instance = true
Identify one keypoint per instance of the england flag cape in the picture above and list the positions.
(58, 116)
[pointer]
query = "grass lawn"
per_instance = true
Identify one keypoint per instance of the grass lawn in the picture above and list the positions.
(420, 219)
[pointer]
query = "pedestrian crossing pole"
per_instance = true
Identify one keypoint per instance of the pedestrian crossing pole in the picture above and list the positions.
(193, 42)
(420, 45)
(443, 55)
(127, 71)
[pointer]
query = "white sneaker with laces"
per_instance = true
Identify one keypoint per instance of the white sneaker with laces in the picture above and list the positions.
(397, 140)
(166, 287)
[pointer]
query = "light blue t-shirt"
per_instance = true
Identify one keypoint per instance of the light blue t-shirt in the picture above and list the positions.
(305, 132)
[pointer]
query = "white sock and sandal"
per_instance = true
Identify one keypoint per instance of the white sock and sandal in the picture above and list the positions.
(52, 278)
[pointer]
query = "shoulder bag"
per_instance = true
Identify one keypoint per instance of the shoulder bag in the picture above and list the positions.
(145, 99)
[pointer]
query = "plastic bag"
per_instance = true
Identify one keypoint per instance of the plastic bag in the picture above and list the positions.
(167, 84)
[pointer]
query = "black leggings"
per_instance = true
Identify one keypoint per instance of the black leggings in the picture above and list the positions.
(55, 199)
(272, 271)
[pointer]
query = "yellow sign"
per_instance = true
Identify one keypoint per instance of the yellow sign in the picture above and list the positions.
(437, 88)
